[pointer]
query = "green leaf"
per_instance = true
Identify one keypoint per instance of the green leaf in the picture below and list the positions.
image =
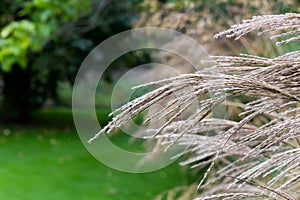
(7, 30)
(7, 64)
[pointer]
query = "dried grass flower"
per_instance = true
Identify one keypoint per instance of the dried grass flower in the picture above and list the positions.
(245, 159)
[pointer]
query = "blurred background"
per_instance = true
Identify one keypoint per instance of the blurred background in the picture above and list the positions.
(42, 45)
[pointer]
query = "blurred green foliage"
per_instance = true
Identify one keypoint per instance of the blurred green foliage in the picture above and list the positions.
(43, 43)
(26, 26)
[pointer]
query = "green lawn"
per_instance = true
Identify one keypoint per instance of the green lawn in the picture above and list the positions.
(48, 161)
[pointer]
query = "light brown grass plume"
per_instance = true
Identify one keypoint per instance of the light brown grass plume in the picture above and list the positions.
(245, 159)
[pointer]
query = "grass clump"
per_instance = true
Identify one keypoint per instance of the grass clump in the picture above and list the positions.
(256, 157)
